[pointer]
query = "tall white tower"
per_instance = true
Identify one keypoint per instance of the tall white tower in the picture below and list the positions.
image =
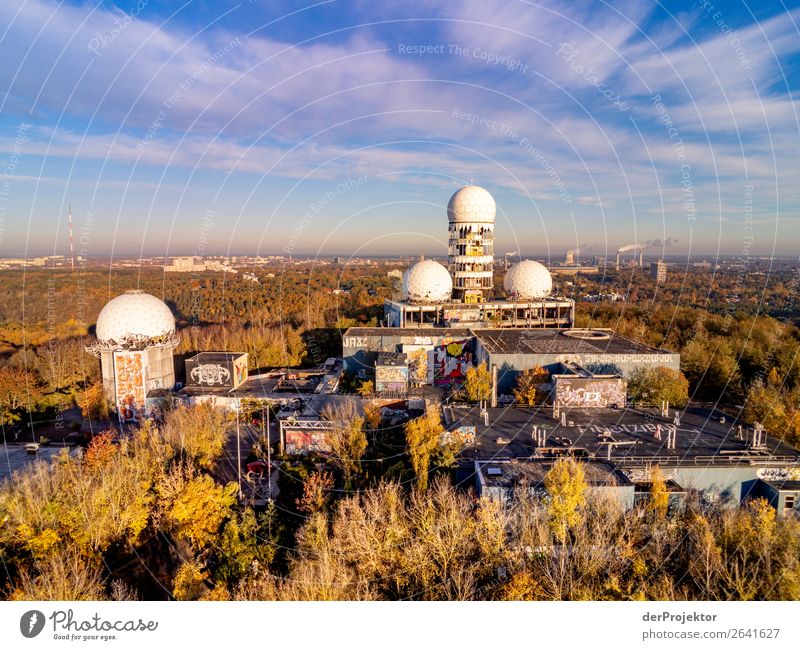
(136, 341)
(471, 211)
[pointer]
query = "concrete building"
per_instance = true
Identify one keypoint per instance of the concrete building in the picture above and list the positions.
(449, 352)
(471, 213)
(658, 271)
(135, 341)
(695, 452)
(192, 265)
(501, 479)
(461, 294)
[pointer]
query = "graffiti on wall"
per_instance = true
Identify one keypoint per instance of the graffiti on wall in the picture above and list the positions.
(391, 378)
(240, 371)
(463, 436)
(418, 362)
(448, 363)
(210, 374)
(130, 372)
(304, 442)
(582, 392)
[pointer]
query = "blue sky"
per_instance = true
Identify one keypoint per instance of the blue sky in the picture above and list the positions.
(344, 127)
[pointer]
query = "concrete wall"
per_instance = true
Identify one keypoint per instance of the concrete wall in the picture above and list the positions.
(360, 352)
(509, 365)
(728, 484)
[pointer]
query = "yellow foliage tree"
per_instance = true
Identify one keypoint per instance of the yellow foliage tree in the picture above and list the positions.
(659, 495)
(194, 506)
(197, 432)
(527, 391)
(92, 401)
(423, 436)
(478, 383)
(566, 488)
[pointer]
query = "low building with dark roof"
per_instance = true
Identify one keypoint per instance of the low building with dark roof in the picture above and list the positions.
(695, 453)
(501, 480)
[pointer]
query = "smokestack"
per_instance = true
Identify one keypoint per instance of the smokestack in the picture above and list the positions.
(616, 266)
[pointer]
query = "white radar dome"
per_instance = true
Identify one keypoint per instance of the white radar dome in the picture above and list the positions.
(528, 280)
(471, 204)
(427, 281)
(134, 315)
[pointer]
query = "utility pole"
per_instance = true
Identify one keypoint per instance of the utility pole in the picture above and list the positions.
(265, 425)
(238, 452)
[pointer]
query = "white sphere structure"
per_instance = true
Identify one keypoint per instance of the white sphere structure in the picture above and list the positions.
(528, 280)
(471, 204)
(134, 315)
(427, 281)
(470, 212)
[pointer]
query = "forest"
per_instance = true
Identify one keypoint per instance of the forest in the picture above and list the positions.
(732, 355)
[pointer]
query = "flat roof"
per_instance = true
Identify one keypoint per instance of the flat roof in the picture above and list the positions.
(15, 458)
(588, 432)
(560, 341)
(525, 341)
(391, 359)
(211, 357)
(791, 486)
(533, 471)
(459, 332)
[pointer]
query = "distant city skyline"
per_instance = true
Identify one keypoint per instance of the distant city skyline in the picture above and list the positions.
(343, 128)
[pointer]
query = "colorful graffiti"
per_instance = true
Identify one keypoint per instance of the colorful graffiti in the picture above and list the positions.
(130, 371)
(391, 378)
(240, 371)
(448, 363)
(583, 392)
(304, 442)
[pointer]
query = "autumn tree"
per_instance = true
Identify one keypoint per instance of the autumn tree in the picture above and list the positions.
(193, 506)
(478, 383)
(765, 404)
(654, 385)
(20, 390)
(659, 495)
(528, 391)
(61, 576)
(423, 437)
(366, 388)
(566, 489)
(197, 432)
(372, 414)
(346, 439)
(316, 493)
(93, 402)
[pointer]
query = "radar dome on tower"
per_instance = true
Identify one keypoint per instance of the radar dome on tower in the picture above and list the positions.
(134, 315)
(471, 204)
(427, 281)
(528, 280)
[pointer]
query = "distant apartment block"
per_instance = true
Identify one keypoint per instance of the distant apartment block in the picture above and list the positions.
(658, 271)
